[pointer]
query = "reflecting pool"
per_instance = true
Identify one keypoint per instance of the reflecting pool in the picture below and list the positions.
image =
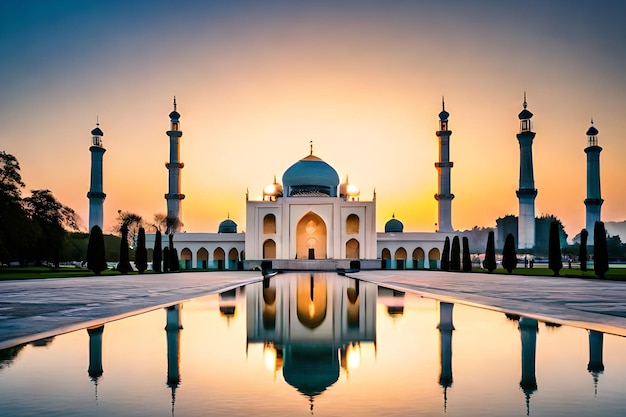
(317, 344)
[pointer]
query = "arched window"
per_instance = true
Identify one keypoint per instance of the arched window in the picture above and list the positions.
(269, 249)
(352, 224)
(233, 254)
(418, 254)
(352, 249)
(269, 224)
(386, 254)
(400, 253)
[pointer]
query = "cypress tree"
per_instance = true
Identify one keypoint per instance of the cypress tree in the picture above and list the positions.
(582, 251)
(141, 256)
(600, 252)
(467, 260)
(490, 254)
(455, 256)
(96, 261)
(166, 259)
(124, 264)
(445, 256)
(157, 254)
(174, 264)
(555, 263)
(509, 256)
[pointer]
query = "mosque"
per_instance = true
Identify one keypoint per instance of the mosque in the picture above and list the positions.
(313, 221)
(310, 218)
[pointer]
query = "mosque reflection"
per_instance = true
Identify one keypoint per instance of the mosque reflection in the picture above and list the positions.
(311, 326)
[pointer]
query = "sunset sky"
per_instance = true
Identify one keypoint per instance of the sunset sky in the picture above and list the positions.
(255, 81)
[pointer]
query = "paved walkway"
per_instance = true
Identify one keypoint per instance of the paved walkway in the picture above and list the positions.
(588, 303)
(38, 308)
(34, 309)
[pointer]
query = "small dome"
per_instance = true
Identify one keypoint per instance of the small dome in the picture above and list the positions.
(311, 176)
(592, 131)
(97, 132)
(394, 225)
(227, 226)
(444, 115)
(273, 190)
(525, 114)
(174, 115)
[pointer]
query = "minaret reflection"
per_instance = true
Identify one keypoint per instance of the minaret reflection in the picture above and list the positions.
(228, 304)
(528, 330)
(95, 370)
(595, 365)
(173, 326)
(445, 343)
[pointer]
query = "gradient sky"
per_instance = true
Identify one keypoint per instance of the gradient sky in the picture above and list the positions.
(255, 81)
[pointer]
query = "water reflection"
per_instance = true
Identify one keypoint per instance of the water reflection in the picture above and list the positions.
(173, 326)
(310, 326)
(318, 343)
(446, 328)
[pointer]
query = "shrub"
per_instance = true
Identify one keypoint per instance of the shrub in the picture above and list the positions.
(467, 260)
(600, 252)
(555, 263)
(455, 255)
(509, 256)
(582, 251)
(445, 255)
(157, 254)
(490, 254)
(96, 261)
(141, 255)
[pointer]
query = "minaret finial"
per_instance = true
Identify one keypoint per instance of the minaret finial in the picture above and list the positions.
(443, 104)
(311, 145)
(98, 121)
(174, 103)
(592, 120)
(228, 215)
(525, 104)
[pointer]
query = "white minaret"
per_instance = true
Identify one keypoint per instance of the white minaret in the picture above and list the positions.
(444, 196)
(594, 200)
(174, 197)
(95, 195)
(527, 191)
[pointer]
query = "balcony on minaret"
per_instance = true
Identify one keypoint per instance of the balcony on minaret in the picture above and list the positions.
(97, 141)
(592, 136)
(96, 136)
(524, 118)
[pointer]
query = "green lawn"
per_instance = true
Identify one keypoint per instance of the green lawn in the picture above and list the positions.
(34, 272)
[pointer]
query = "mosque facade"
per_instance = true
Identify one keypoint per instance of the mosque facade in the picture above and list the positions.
(311, 215)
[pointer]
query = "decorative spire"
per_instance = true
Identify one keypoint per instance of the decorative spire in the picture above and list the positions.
(592, 121)
(98, 121)
(174, 103)
(311, 145)
(443, 104)
(525, 104)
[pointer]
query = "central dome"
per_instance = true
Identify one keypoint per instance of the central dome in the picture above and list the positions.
(310, 176)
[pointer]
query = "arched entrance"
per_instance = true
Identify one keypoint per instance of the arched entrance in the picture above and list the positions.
(385, 259)
(352, 249)
(185, 256)
(418, 258)
(233, 257)
(433, 258)
(400, 256)
(269, 249)
(218, 258)
(311, 237)
(203, 258)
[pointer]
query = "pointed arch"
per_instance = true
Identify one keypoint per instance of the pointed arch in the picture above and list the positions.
(269, 249)
(352, 224)
(219, 256)
(203, 258)
(186, 256)
(352, 249)
(269, 224)
(311, 237)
